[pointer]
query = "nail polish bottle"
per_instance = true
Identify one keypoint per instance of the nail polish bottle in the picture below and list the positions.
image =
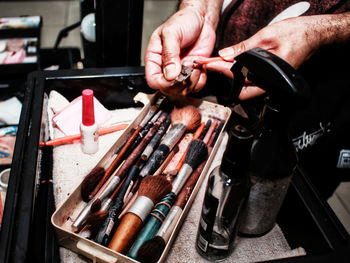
(88, 127)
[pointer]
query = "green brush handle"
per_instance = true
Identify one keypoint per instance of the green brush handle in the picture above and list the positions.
(154, 222)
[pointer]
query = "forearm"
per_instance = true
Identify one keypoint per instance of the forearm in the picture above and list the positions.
(209, 9)
(331, 29)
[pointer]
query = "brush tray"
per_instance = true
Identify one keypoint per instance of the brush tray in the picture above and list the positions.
(305, 223)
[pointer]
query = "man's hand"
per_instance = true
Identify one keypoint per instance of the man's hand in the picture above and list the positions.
(295, 40)
(185, 36)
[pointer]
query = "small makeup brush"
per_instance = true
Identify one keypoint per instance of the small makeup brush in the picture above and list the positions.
(152, 189)
(210, 131)
(152, 110)
(183, 119)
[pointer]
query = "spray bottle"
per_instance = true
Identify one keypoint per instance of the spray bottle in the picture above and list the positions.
(259, 151)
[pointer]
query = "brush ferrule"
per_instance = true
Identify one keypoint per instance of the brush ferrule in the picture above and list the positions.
(78, 222)
(181, 178)
(142, 207)
(106, 204)
(173, 135)
(109, 187)
(169, 223)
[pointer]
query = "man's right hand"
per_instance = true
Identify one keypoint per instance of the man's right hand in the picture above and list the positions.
(185, 36)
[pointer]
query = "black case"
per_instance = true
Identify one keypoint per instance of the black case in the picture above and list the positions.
(305, 219)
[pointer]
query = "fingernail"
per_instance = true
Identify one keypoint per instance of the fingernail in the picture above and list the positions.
(226, 53)
(170, 71)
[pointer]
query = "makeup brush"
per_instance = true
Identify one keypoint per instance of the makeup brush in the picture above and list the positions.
(211, 131)
(107, 188)
(153, 245)
(152, 189)
(152, 248)
(183, 119)
(107, 226)
(135, 154)
(153, 223)
(155, 140)
(152, 110)
(196, 135)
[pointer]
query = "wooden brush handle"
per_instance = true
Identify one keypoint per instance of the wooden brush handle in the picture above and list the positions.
(125, 233)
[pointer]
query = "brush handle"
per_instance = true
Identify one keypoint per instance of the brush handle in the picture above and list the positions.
(196, 135)
(72, 138)
(206, 128)
(157, 217)
(181, 178)
(159, 155)
(169, 223)
(104, 234)
(210, 131)
(125, 233)
(155, 140)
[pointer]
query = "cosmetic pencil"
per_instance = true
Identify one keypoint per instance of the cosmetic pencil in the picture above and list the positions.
(210, 131)
(122, 171)
(156, 139)
(94, 204)
(151, 111)
(153, 247)
(152, 189)
(183, 119)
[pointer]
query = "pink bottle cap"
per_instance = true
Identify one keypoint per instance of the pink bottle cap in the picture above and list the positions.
(88, 107)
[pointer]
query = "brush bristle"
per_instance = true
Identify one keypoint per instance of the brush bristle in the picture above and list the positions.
(151, 250)
(188, 115)
(90, 181)
(96, 205)
(95, 220)
(196, 153)
(154, 187)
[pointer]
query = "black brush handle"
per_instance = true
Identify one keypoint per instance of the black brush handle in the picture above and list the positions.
(205, 130)
(157, 157)
(156, 139)
(106, 231)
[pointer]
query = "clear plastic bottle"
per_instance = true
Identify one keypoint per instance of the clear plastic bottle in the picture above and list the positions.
(226, 193)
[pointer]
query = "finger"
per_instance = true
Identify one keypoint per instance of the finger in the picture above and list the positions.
(250, 91)
(153, 63)
(221, 66)
(171, 53)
